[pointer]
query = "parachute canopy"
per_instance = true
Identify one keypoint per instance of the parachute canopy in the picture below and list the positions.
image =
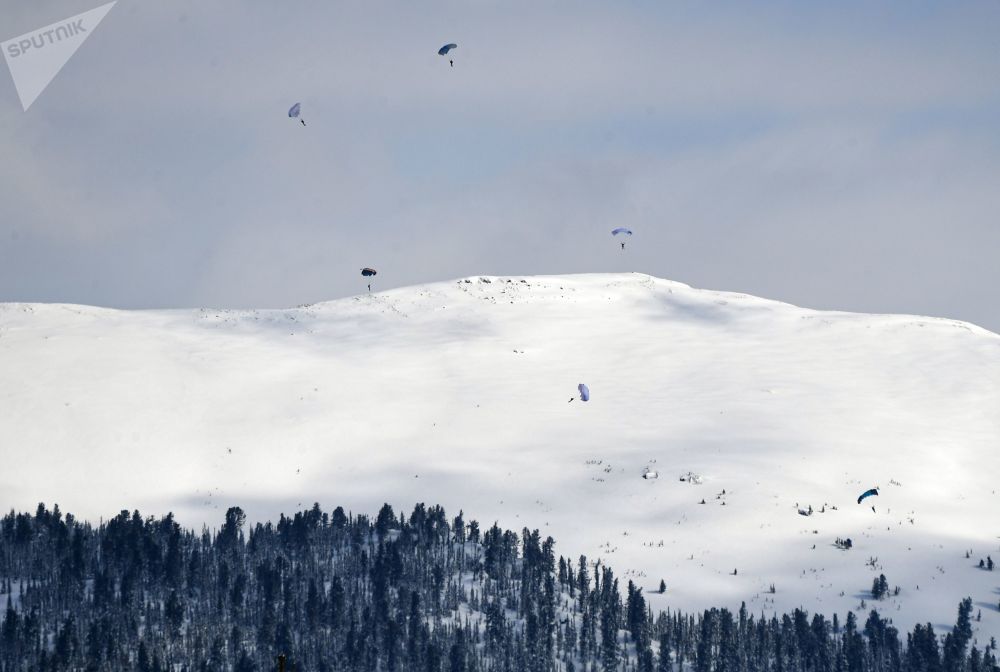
(446, 48)
(368, 272)
(621, 230)
(294, 110)
(584, 392)
(867, 493)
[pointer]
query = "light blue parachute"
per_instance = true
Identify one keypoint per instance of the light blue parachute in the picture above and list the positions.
(867, 493)
(621, 230)
(584, 392)
(293, 113)
(443, 51)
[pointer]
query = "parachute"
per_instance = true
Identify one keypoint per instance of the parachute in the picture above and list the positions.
(443, 51)
(621, 230)
(584, 392)
(867, 493)
(367, 272)
(293, 113)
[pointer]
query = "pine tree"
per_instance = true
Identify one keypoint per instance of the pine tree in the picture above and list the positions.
(880, 587)
(385, 521)
(663, 662)
(956, 641)
(609, 639)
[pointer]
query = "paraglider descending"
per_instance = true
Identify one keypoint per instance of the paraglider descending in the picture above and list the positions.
(367, 273)
(584, 392)
(293, 113)
(443, 51)
(621, 231)
(869, 493)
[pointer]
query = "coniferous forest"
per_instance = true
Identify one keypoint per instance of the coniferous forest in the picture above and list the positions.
(333, 591)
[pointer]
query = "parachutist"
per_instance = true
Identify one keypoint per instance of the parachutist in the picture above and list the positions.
(295, 112)
(443, 51)
(873, 510)
(368, 273)
(621, 230)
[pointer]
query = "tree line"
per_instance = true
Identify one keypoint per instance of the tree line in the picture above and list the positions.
(423, 592)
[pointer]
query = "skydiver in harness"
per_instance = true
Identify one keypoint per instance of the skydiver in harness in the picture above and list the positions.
(443, 51)
(869, 493)
(369, 273)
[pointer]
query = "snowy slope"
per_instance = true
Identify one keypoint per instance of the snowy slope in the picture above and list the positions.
(457, 393)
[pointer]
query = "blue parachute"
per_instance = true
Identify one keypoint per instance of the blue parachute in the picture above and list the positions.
(584, 392)
(293, 113)
(867, 493)
(443, 51)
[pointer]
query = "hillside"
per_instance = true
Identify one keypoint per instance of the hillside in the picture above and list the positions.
(456, 393)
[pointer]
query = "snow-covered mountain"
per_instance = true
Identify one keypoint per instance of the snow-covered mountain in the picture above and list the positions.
(458, 393)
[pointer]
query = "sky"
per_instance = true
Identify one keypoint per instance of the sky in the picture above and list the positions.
(841, 157)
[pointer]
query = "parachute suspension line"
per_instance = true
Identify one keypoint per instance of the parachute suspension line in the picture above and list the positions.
(443, 51)
(622, 231)
(369, 273)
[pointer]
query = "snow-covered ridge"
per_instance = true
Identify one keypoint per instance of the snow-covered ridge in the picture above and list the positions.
(457, 393)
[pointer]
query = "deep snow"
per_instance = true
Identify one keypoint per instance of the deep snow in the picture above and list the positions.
(457, 393)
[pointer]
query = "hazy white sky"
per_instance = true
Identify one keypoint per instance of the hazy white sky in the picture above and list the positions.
(834, 157)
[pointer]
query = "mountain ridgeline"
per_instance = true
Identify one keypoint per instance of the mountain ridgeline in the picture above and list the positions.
(457, 393)
(335, 591)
